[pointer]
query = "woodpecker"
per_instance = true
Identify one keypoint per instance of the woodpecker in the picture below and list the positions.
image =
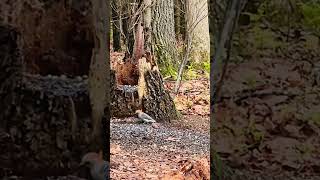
(98, 167)
(145, 117)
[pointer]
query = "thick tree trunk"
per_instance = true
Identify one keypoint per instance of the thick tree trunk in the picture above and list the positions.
(47, 119)
(164, 40)
(10, 70)
(199, 28)
(38, 116)
(99, 77)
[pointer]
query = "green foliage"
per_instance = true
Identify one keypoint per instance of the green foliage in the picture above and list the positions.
(167, 65)
(315, 118)
(270, 24)
(265, 39)
(195, 66)
(251, 81)
(311, 14)
(220, 170)
(169, 70)
(206, 66)
(305, 149)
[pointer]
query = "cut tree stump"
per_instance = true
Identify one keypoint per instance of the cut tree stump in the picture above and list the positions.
(45, 119)
(156, 100)
(148, 94)
(37, 117)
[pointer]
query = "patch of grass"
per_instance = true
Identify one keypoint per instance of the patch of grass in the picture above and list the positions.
(219, 170)
(311, 16)
(315, 118)
(199, 62)
(265, 39)
(251, 81)
(167, 65)
(305, 150)
(311, 42)
(258, 136)
(179, 115)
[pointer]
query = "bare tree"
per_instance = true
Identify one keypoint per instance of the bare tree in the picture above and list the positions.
(221, 30)
(193, 18)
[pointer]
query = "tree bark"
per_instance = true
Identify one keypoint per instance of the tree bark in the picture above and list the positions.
(127, 30)
(99, 78)
(199, 27)
(164, 40)
(177, 17)
(147, 25)
(116, 35)
(37, 115)
(157, 101)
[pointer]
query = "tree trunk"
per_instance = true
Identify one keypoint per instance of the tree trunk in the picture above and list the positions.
(138, 83)
(127, 30)
(116, 35)
(147, 94)
(138, 49)
(156, 100)
(147, 25)
(46, 120)
(177, 17)
(38, 117)
(164, 40)
(183, 21)
(99, 77)
(199, 29)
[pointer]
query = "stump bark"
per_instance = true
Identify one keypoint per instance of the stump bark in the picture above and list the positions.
(156, 100)
(45, 119)
(36, 117)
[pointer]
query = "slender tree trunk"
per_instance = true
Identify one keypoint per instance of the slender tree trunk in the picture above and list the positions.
(147, 24)
(177, 16)
(188, 43)
(183, 22)
(138, 49)
(116, 26)
(220, 35)
(128, 33)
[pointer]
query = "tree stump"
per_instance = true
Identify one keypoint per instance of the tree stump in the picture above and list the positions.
(148, 94)
(157, 101)
(45, 119)
(45, 134)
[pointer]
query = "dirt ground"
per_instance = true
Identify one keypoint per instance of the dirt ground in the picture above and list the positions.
(164, 151)
(267, 121)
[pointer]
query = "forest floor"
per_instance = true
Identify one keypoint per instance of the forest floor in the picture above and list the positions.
(142, 151)
(267, 124)
(268, 117)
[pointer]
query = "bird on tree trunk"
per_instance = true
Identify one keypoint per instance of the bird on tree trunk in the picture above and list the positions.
(98, 167)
